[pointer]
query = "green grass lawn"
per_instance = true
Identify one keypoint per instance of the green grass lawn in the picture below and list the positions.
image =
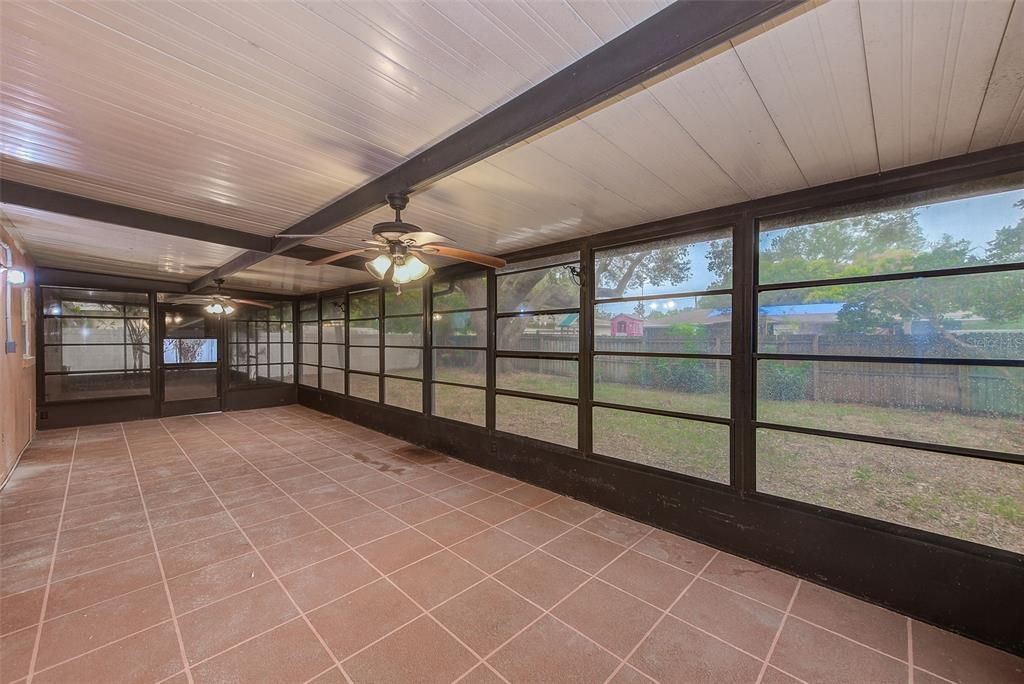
(982, 501)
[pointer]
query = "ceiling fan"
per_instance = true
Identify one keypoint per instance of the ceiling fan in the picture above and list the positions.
(220, 304)
(397, 245)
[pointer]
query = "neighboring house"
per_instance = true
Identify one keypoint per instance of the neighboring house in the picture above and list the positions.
(625, 325)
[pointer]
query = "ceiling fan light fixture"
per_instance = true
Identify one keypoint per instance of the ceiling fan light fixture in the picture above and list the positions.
(411, 269)
(229, 309)
(378, 267)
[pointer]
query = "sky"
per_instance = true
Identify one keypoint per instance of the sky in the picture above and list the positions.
(975, 218)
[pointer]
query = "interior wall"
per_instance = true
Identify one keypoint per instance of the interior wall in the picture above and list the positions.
(17, 369)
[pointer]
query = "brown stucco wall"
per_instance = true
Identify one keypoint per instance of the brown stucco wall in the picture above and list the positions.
(17, 370)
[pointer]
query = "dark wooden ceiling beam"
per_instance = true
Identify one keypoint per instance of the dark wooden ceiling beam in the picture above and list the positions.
(52, 201)
(680, 32)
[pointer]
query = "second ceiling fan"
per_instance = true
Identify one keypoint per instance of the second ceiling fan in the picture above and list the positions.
(397, 246)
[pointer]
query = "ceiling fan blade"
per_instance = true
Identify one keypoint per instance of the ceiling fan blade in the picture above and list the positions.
(337, 257)
(465, 255)
(249, 302)
(424, 237)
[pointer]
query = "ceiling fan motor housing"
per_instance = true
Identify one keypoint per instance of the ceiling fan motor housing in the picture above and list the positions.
(393, 230)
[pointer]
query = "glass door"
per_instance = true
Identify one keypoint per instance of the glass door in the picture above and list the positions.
(190, 360)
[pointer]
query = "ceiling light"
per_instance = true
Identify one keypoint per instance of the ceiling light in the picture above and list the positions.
(378, 268)
(411, 269)
(229, 309)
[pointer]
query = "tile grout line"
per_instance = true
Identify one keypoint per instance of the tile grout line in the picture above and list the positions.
(429, 471)
(273, 574)
(424, 612)
(159, 561)
(53, 561)
(910, 652)
(661, 618)
(491, 575)
(778, 632)
(593, 576)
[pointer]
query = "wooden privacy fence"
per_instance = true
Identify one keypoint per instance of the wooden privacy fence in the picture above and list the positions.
(962, 388)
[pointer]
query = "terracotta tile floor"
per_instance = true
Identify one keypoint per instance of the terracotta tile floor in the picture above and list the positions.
(284, 545)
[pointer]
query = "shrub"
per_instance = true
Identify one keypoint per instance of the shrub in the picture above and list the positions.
(784, 383)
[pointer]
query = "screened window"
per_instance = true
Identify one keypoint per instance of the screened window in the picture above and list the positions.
(96, 344)
(537, 340)
(332, 344)
(403, 348)
(364, 344)
(886, 362)
(309, 343)
(261, 345)
(459, 335)
(662, 338)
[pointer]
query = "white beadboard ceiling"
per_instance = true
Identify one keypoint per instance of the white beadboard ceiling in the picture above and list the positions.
(844, 89)
(253, 115)
(58, 241)
(284, 274)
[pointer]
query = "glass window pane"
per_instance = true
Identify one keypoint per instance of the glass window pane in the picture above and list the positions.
(407, 394)
(690, 447)
(333, 380)
(308, 376)
(190, 351)
(539, 333)
(899, 235)
(460, 403)
(979, 316)
(366, 360)
(543, 420)
(460, 329)
(332, 308)
(683, 264)
(674, 325)
(698, 386)
(59, 301)
(189, 383)
(364, 386)
(307, 310)
(406, 331)
(333, 355)
(405, 362)
(88, 331)
(973, 499)
(364, 304)
(332, 332)
(469, 292)
(968, 406)
(95, 386)
(364, 333)
(309, 353)
(539, 290)
(409, 302)
(308, 332)
(539, 376)
(95, 358)
(468, 366)
(187, 323)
